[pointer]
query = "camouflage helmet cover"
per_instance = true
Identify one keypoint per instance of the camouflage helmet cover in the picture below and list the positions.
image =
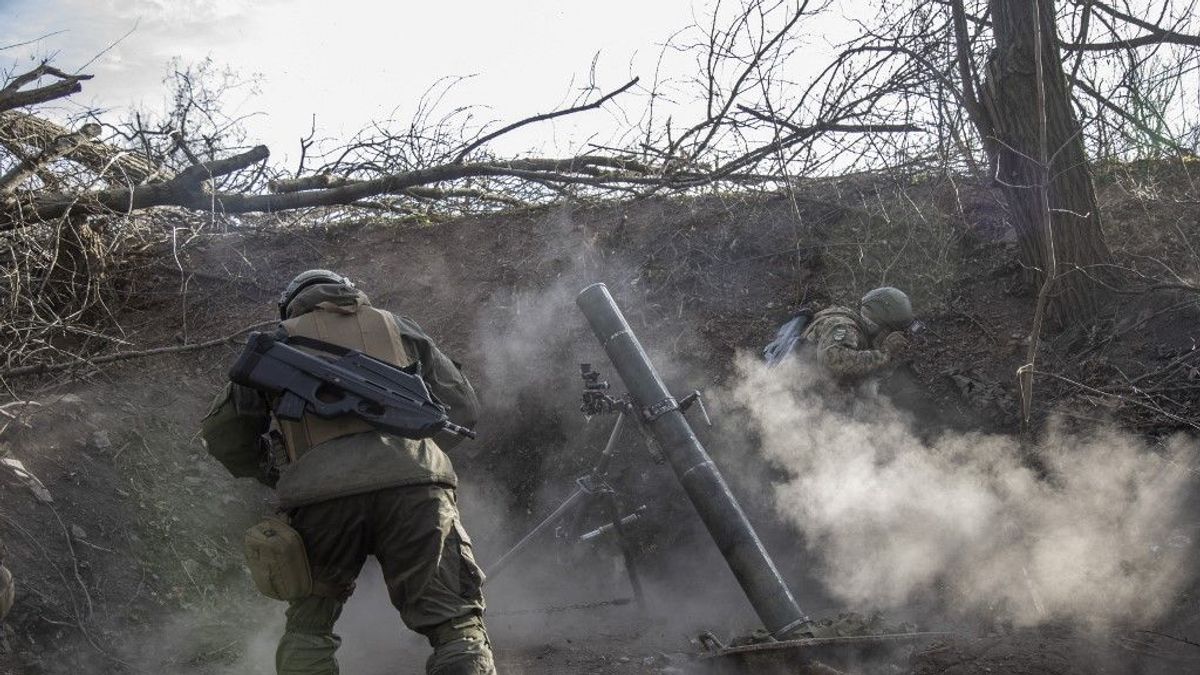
(304, 280)
(888, 308)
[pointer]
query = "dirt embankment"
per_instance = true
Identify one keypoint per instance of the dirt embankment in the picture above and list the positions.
(135, 565)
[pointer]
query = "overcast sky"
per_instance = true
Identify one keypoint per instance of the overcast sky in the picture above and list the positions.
(349, 61)
(353, 61)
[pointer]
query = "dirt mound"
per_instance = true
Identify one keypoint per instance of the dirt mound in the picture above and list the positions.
(135, 566)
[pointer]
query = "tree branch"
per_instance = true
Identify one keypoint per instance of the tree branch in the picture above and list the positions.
(1124, 114)
(541, 118)
(43, 368)
(1155, 34)
(11, 95)
(318, 181)
(822, 127)
(962, 43)
(27, 168)
(19, 130)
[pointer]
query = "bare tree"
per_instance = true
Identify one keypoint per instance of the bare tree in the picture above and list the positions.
(1038, 158)
(1018, 89)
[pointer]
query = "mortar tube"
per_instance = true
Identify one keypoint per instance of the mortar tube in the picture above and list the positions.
(720, 511)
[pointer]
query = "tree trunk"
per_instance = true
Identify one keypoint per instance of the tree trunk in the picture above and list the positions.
(1076, 254)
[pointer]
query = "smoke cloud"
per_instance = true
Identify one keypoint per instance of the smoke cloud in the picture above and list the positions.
(893, 519)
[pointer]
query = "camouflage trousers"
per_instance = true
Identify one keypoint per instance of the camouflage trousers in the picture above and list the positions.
(431, 575)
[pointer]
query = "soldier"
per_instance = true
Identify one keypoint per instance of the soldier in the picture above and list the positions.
(351, 491)
(851, 345)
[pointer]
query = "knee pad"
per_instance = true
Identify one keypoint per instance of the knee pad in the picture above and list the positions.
(460, 647)
(467, 628)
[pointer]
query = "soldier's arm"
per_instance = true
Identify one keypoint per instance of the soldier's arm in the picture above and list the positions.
(839, 350)
(445, 379)
(230, 431)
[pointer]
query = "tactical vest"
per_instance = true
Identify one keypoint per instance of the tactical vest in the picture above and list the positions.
(360, 327)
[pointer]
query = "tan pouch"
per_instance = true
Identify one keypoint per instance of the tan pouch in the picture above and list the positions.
(277, 560)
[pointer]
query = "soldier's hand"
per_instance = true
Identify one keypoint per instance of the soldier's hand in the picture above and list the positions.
(895, 344)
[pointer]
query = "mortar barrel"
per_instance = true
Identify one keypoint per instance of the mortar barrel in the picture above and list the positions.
(720, 511)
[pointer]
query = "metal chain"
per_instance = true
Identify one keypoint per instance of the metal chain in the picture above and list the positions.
(564, 608)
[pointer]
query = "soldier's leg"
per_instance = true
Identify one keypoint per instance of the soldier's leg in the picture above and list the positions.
(309, 644)
(432, 576)
(336, 537)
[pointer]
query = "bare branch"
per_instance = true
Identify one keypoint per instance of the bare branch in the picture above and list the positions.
(541, 118)
(315, 182)
(43, 368)
(967, 78)
(830, 127)
(12, 96)
(19, 131)
(63, 145)
(1123, 113)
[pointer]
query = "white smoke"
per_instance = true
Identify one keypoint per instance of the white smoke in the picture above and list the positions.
(893, 519)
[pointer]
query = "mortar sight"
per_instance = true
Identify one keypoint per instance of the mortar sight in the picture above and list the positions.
(591, 378)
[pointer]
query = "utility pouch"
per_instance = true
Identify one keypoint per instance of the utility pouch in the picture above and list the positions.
(277, 560)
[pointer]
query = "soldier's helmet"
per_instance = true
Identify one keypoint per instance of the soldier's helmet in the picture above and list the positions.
(887, 307)
(304, 280)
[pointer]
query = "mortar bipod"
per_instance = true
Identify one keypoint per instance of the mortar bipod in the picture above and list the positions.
(591, 489)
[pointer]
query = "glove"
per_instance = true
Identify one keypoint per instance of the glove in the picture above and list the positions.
(895, 344)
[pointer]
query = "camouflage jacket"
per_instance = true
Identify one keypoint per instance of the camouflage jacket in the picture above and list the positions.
(842, 345)
(342, 464)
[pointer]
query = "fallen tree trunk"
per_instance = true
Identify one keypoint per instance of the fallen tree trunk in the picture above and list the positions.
(22, 133)
(187, 190)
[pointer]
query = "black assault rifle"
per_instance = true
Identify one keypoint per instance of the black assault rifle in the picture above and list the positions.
(352, 384)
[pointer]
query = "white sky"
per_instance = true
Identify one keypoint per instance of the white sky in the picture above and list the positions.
(353, 61)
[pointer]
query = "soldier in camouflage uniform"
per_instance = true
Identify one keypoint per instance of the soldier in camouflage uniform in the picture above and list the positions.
(352, 491)
(852, 345)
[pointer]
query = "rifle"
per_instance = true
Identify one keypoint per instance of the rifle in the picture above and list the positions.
(350, 383)
(786, 338)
